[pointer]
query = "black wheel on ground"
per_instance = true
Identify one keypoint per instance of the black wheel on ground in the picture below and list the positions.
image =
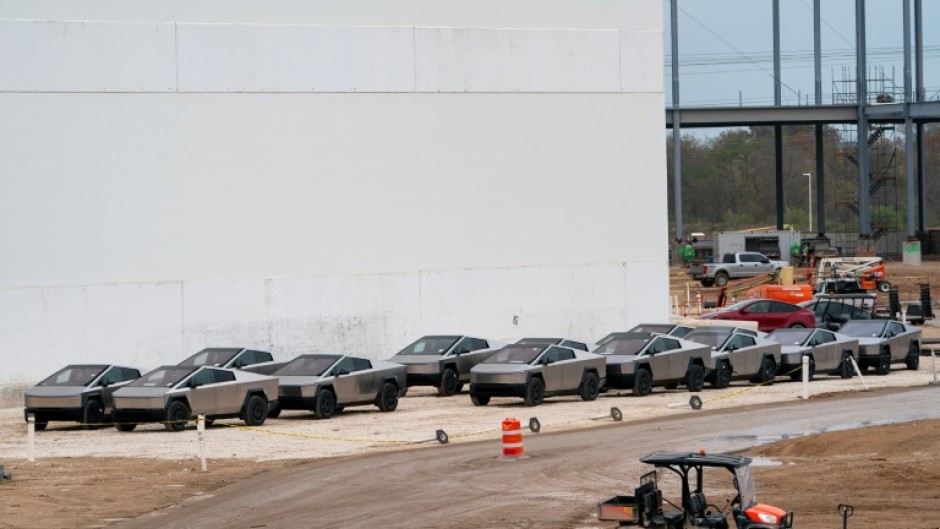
(768, 370)
(256, 411)
(721, 279)
(643, 382)
(722, 376)
(884, 286)
(325, 405)
(275, 413)
(92, 414)
(450, 384)
(695, 378)
(797, 375)
(913, 357)
(177, 415)
(707, 282)
(125, 426)
(883, 367)
(534, 392)
(479, 400)
(845, 366)
(590, 386)
(671, 385)
(388, 399)
(40, 426)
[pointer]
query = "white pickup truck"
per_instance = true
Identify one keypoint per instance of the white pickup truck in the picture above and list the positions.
(735, 266)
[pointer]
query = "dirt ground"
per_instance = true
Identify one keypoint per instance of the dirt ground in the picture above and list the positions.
(885, 472)
(888, 474)
(92, 479)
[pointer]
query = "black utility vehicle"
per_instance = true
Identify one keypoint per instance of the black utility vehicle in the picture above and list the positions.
(645, 507)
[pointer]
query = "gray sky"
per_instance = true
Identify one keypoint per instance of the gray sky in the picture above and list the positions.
(726, 49)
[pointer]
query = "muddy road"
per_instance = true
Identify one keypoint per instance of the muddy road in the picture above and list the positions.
(467, 486)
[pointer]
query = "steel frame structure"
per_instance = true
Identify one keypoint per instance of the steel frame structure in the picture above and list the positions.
(913, 112)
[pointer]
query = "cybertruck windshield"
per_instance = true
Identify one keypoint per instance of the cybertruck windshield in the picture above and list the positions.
(863, 329)
(430, 345)
(211, 357)
(73, 376)
(622, 346)
(307, 366)
(712, 337)
(516, 354)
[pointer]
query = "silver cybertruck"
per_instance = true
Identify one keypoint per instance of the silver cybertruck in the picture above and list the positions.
(444, 362)
(738, 354)
(639, 361)
(176, 395)
(81, 392)
(536, 371)
(884, 342)
(828, 352)
(327, 383)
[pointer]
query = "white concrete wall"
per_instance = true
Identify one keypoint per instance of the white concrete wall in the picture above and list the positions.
(312, 176)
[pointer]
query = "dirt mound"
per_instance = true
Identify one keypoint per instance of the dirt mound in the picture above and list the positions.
(887, 473)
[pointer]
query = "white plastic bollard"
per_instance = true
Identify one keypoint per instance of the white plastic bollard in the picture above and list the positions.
(31, 438)
(201, 435)
(805, 377)
(933, 362)
(858, 371)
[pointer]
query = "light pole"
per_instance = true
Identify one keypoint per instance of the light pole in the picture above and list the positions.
(809, 183)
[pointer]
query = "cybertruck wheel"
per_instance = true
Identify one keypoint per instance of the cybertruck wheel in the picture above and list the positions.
(845, 367)
(590, 386)
(479, 400)
(450, 384)
(388, 399)
(695, 378)
(534, 392)
(883, 367)
(325, 405)
(256, 411)
(913, 357)
(723, 376)
(177, 415)
(92, 414)
(643, 383)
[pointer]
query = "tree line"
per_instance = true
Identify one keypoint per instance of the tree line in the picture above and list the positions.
(728, 179)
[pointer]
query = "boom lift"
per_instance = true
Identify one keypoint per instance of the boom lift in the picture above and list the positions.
(869, 271)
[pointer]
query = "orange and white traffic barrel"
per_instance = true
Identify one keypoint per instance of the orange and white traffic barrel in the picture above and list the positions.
(512, 438)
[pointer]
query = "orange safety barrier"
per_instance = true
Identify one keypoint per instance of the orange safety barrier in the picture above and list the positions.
(512, 438)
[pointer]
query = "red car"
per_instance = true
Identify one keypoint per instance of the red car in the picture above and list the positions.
(769, 314)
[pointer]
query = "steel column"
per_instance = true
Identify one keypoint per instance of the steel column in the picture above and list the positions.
(864, 222)
(919, 47)
(778, 171)
(920, 97)
(777, 86)
(676, 124)
(778, 130)
(908, 123)
(820, 181)
(820, 166)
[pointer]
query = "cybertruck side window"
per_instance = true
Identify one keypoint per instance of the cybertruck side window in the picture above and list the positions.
(470, 344)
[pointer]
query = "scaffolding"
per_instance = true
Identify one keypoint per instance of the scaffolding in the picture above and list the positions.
(885, 151)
